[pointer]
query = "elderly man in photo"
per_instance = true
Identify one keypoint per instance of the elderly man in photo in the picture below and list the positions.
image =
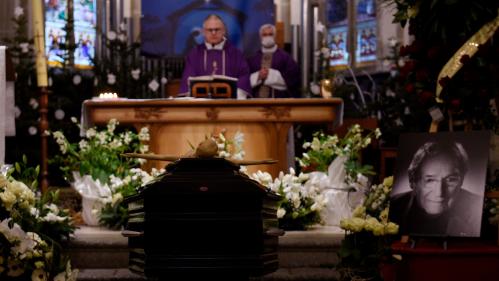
(274, 73)
(216, 56)
(437, 204)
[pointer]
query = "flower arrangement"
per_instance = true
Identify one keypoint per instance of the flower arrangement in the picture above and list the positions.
(368, 235)
(302, 200)
(92, 163)
(323, 149)
(31, 230)
(230, 148)
(98, 154)
(114, 214)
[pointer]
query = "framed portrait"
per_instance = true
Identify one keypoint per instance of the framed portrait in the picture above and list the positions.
(439, 183)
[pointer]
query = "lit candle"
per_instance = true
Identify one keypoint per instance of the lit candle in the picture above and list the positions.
(108, 95)
(41, 59)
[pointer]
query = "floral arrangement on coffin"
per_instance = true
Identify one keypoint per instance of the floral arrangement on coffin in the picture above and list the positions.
(113, 214)
(334, 165)
(369, 234)
(230, 148)
(301, 202)
(92, 162)
(31, 230)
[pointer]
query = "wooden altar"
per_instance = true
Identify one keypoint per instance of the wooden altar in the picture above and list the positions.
(174, 123)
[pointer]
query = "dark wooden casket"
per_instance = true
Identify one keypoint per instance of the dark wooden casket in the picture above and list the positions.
(203, 218)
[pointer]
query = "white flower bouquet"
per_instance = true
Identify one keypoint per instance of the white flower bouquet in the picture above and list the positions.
(98, 153)
(31, 230)
(302, 199)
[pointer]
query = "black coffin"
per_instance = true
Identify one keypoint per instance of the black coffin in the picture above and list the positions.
(203, 217)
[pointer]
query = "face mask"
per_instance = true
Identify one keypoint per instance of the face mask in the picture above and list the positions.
(268, 41)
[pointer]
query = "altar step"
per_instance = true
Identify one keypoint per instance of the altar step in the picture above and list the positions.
(102, 255)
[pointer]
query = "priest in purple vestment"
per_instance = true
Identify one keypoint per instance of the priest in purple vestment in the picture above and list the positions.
(217, 56)
(274, 73)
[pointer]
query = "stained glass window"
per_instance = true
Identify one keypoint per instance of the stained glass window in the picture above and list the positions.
(337, 15)
(85, 14)
(366, 35)
(363, 28)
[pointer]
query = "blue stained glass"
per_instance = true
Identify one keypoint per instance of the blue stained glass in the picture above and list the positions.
(84, 12)
(366, 10)
(366, 42)
(338, 46)
(337, 12)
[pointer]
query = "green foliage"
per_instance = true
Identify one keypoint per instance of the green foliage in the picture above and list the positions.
(301, 202)
(114, 214)
(33, 228)
(99, 153)
(25, 173)
(369, 234)
(323, 149)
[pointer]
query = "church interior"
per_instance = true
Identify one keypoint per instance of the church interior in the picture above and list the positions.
(249, 140)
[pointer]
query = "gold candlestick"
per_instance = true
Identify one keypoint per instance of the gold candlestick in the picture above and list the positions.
(41, 59)
(42, 81)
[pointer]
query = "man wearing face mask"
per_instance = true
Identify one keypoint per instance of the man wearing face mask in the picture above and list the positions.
(274, 73)
(216, 56)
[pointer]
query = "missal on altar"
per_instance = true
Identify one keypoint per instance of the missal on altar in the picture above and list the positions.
(213, 86)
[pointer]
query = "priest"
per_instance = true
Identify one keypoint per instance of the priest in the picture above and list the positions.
(274, 73)
(216, 56)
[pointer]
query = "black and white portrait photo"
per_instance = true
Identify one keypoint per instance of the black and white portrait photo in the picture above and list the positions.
(439, 183)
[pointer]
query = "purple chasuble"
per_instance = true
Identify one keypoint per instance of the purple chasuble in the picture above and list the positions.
(229, 62)
(284, 63)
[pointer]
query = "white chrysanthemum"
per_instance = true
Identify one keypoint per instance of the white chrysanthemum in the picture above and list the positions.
(8, 199)
(116, 143)
(239, 155)
(306, 145)
(127, 137)
(111, 125)
(144, 148)
(51, 217)
(101, 138)
(316, 144)
(280, 213)
(144, 134)
(83, 144)
(90, 133)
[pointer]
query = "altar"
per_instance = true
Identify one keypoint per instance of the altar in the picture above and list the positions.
(174, 124)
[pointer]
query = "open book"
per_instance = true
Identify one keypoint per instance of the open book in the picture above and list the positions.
(213, 86)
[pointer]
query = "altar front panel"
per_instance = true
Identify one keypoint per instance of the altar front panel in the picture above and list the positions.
(175, 124)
